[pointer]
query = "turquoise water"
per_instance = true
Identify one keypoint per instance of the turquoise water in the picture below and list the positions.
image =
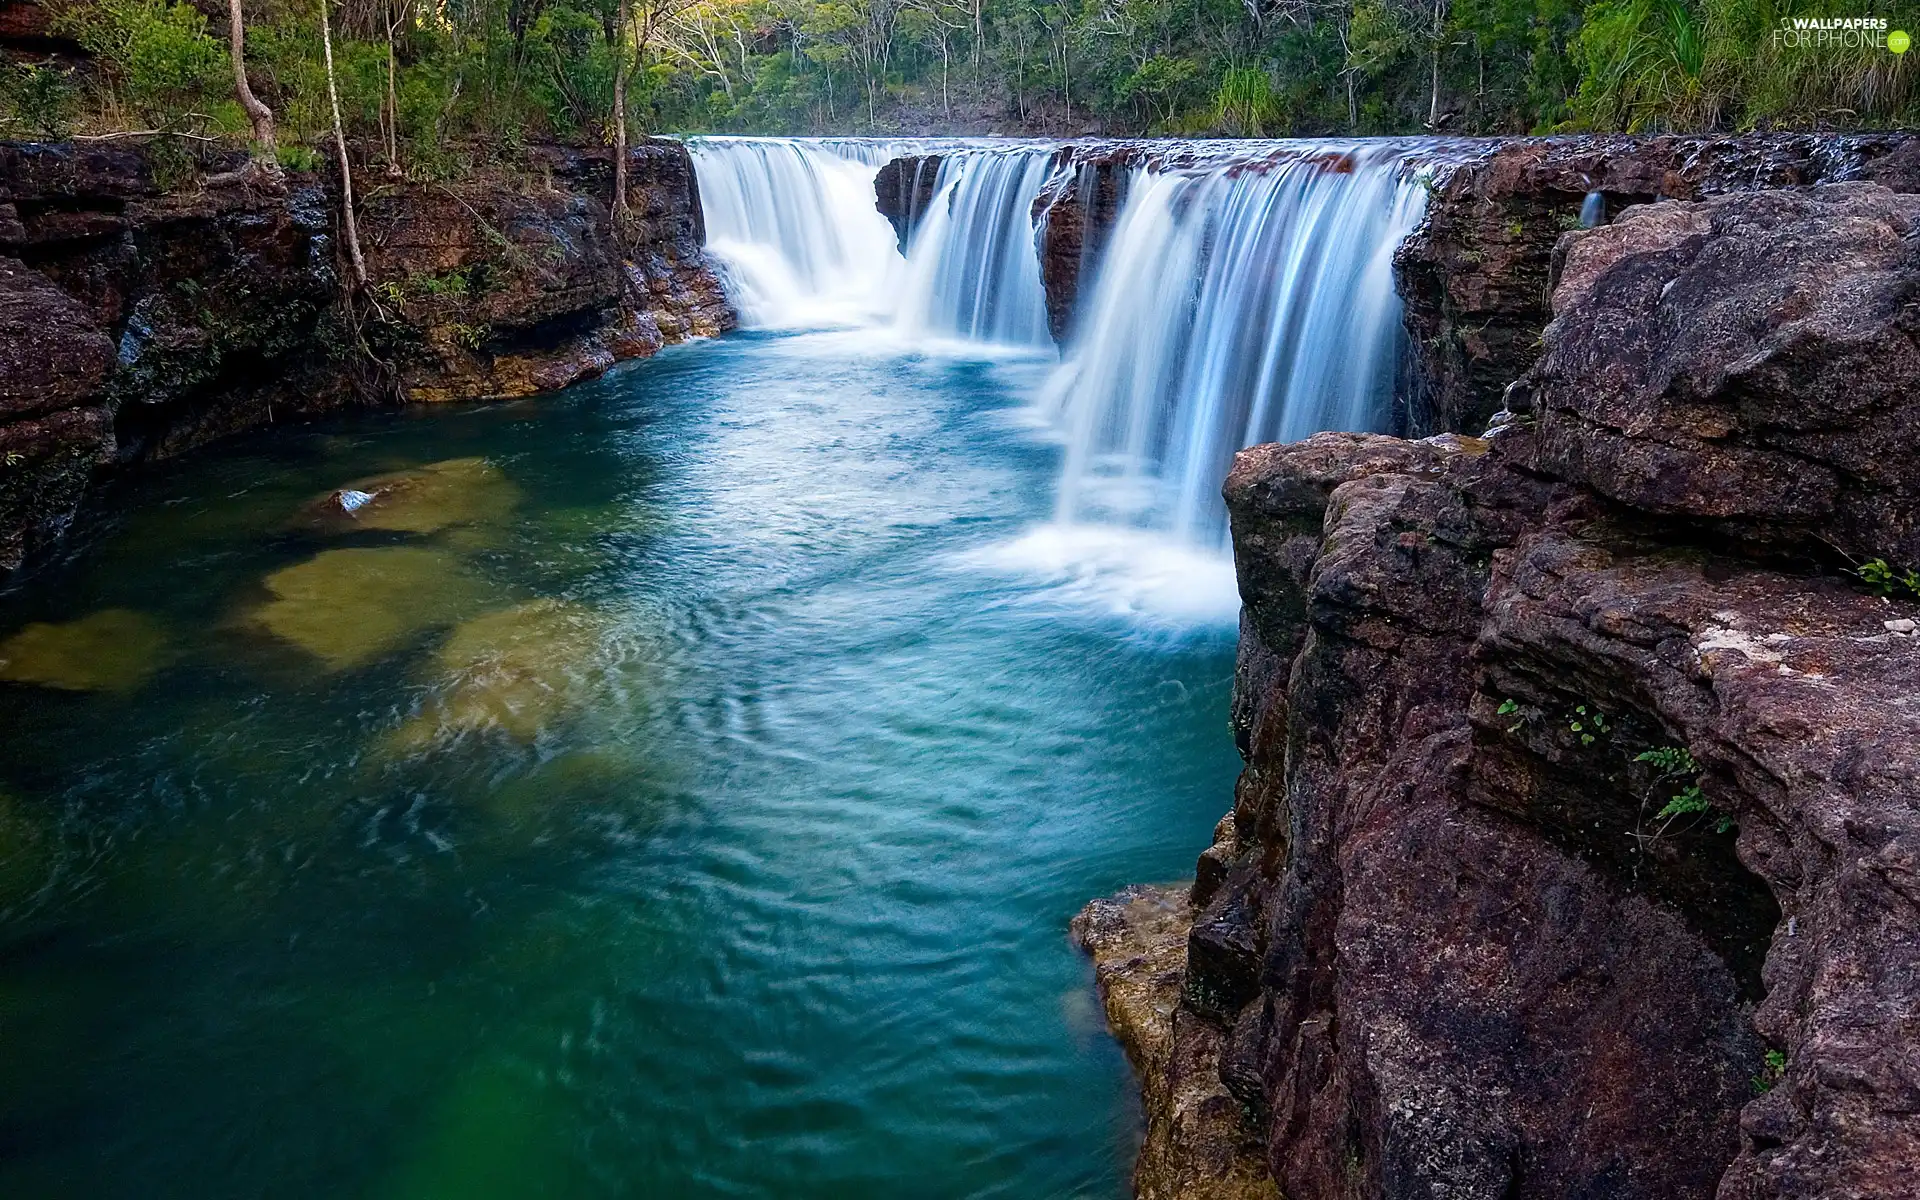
(682, 789)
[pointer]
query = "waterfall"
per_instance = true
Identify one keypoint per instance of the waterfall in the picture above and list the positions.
(1243, 298)
(972, 269)
(1245, 293)
(793, 223)
(794, 227)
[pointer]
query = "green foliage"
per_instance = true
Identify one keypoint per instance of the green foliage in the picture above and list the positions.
(160, 58)
(1773, 1068)
(1888, 581)
(472, 81)
(1246, 104)
(1670, 760)
(1523, 714)
(1675, 762)
(1643, 66)
(295, 157)
(37, 99)
(1590, 723)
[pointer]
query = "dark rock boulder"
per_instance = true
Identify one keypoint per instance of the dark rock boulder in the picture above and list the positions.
(1075, 215)
(903, 191)
(1750, 362)
(1578, 833)
(1475, 277)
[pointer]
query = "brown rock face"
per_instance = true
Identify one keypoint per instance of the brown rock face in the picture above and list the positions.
(1575, 850)
(1475, 275)
(52, 430)
(136, 323)
(1075, 215)
(495, 291)
(1196, 1146)
(902, 191)
(1688, 340)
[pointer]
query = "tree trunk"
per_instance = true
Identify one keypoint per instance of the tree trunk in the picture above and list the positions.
(393, 104)
(620, 115)
(347, 221)
(1433, 106)
(258, 114)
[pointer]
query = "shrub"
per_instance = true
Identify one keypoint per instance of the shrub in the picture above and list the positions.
(160, 56)
(38, 98)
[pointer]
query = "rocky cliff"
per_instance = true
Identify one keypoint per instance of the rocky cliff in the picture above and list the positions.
(1577, 851)
(1474, 276)
(137, 320)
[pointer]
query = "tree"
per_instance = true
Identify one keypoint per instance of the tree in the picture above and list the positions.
(649, 25)
(340, 144)
(258, 114)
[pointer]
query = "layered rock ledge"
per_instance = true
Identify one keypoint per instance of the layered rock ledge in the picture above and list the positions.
(139, 320)
(1475, 276)
(1577, 851)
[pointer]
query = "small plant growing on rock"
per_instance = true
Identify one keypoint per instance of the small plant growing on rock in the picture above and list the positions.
(1674, 762)
(1590, 723)
(1772, 1070)
(1885, 580)
(1523, 714)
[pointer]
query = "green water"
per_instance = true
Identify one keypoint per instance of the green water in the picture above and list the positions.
(684, 793)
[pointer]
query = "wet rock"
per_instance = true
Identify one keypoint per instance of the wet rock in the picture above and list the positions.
(348, 608)
(114, 650)
(1074, 217)
(1198, 1145)
(903, 190)
(428, 499)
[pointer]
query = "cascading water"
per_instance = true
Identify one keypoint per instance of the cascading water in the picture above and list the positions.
(972, 269)
(794, 225)
(1244, 299)
(793, 222)
(1245, 294)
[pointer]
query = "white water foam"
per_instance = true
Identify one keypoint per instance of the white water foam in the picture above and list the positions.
(1118, 571)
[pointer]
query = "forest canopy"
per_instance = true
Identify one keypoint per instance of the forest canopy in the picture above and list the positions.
(416, 77)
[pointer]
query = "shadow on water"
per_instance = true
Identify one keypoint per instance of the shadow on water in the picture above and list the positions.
(672, 790)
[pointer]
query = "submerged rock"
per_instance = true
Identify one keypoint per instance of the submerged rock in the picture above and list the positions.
(459, 491)
(114, 650)
(350, 607)
(513, 672)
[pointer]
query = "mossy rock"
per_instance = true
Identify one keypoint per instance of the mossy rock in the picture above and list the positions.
(428, 499)
(113, 650)
(350, 607)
